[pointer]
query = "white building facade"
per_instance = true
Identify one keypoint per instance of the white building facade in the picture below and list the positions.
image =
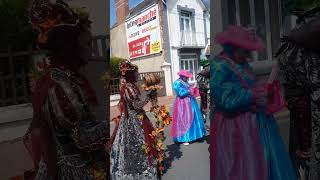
(265, 16)
(189, 34)
(168, 36)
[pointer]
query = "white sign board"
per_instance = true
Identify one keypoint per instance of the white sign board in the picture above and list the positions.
(143, 33)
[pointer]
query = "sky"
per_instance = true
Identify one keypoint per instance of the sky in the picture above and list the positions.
(132, 3)
(113, 19)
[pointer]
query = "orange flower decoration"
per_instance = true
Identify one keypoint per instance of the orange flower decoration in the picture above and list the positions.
(167, 121)
(161, 168)
(146, 148)
(97, 173)
(160, 145)
(140, 117)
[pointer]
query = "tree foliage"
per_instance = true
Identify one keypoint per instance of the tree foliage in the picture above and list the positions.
(297, 7)
(16, 30)
(114, 64)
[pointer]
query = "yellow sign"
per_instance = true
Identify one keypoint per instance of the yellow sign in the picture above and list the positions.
(153, 28)
(155, 47)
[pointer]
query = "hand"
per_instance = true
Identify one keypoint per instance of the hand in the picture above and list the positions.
(270, 90)
(152, 93)
(260, 95)
(108, 146)
(116, 119)
(191, 92)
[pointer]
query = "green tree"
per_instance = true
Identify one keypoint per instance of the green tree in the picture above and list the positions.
(297, 7)
(83, 15)
(114, 64)
(115, 72)
(16, 30)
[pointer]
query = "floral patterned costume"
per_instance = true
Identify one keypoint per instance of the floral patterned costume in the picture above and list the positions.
(64, 139)
(129, 161)
(299, 62)
(203, 80)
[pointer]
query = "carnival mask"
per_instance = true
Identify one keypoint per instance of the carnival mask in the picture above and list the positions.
(127, 66)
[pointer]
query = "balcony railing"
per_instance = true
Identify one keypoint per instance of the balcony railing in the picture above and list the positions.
(193, 39)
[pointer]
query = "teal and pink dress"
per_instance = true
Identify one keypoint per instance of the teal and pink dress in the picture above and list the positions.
(244, 144)
(187, 123)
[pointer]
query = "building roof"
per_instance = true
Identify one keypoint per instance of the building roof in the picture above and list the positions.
(145, 3)
(206, 4)
(138, 8)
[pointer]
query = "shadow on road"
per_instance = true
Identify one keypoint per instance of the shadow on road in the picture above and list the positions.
(173, 153)
(202, 140)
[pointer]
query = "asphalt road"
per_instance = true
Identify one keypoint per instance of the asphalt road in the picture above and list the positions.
(187, 162)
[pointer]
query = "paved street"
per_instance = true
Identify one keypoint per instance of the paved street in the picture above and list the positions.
(187, 162)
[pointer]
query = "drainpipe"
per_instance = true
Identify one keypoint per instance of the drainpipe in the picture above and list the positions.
(216, 23)
(167, 65)
(169, 33)
(205, 27)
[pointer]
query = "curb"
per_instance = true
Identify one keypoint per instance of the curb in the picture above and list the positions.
(12, 141)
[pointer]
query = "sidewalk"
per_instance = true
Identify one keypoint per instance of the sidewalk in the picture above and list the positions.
(165, 100)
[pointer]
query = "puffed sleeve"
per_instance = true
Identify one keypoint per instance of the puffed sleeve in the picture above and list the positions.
(227, 92)
(294, 81)
(73, 114)
(180, 89)
(205, 72)
(133, 97)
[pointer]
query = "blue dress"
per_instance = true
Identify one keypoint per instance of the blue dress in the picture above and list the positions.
(187, 124)
(244, 144)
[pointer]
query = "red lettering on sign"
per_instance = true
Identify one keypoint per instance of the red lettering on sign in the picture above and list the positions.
(139, 47)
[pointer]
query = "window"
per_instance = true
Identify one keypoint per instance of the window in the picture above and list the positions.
(231, 12)
(244, 8)
(187, 37)
(264, 16)
(189, 62)
(185, 18)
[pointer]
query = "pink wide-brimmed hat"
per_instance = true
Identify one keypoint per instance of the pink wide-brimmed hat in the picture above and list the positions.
(185, 73)
(240, 37)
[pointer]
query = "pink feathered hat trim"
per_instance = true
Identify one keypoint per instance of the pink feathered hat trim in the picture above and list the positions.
(240, 37)
(185, 73)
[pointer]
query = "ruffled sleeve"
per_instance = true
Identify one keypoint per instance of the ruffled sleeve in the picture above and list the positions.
(226, 90)
(181, 89)
(133, 97)
(72, 113)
